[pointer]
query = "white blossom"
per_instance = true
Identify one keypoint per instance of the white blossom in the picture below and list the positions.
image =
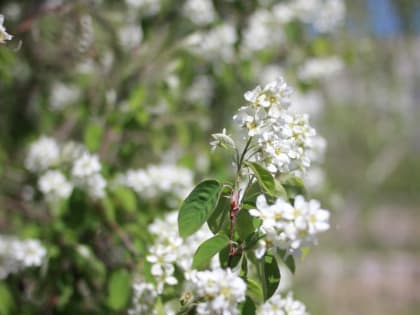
(219, 291)
(158, 180)
(42, 154)
(130, 36)
(4, 36)
(16, 255)
(54, 185)
(277, 305)
(264, 30)
(201, 90)
(222, 140)
(217, 43)
(319, 68)
(85, 166)
(200, 12)
(86, 174)
(144, 298)
(289, 227)
(63, 95)
(283, 139)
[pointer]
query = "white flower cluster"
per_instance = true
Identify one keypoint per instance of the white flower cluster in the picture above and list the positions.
(218, 291)
(45, 156)
(54, 185)
(130, 36)
(86, 174)
(289, 227)
(200, 12)
(284, 138)
(158, 180)
(264, 30)
(277, 305)
(265, 26)
(42, 154)
(170, 249)
(144, 298)
(16, 255)
(319, 68)
(201, 90)
(215, 44)
(3, 34)
(63, 95)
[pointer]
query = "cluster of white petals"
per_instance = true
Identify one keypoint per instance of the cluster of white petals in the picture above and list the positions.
(16, 255)
(86, 174)
(290, 227)
(264, 30)
(54, 185)
(63, 95)
(277, 305)
(214, 44)
(283, 138)
(265, 26)
(42, 154)
(3, 34)
(144, 298)
(130, 36)
(169, 249)
(319, 68)
(200, 12)
(218, 291)
(158, 180)
(55, 160)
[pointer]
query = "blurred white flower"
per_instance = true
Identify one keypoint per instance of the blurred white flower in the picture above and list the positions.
(85, 166)
(200, 12)
(130, 36)
(218, 291)
(63, 95)
(144, 298)
(277, 305)
(4, 36)
(54, 185)
(201, 90)
(319, 68)
(42, 154)
(214, 44)
(86, 175)
(16, 255)
(158, 180)
(30, 252)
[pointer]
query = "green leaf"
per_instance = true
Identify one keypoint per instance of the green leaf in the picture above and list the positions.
(208, 249)
(248, 307)
(220, 215)
(270, 275)
(294, 186)
(224, 258)
(288, 260)
(254, 291)
(6, 300)
(118, 289)
(245, 224)
(264, 177)
(93, 136)
(126, 198)
(198, 206)
(280, 191)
